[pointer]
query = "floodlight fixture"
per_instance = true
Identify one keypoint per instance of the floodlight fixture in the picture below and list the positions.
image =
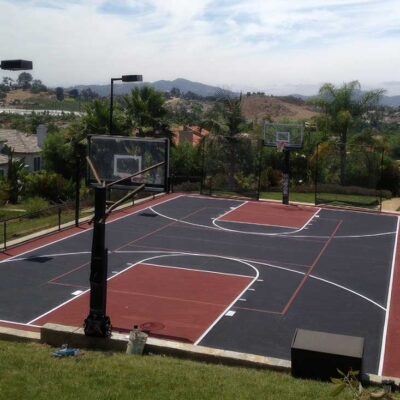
(131, 78)
(16, 65)
(124, 78)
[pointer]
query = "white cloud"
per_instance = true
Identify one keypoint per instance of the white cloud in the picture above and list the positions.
(248, 43)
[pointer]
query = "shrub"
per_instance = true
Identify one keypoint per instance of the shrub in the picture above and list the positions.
(48, 185)
(35, 204)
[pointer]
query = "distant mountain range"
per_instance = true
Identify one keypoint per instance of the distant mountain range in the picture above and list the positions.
(201, 89)
(183, 85)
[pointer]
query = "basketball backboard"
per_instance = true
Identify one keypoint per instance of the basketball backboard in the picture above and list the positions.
(117, 157)
(291, 135)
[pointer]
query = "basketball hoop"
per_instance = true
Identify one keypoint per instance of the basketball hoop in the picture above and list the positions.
(281, 145)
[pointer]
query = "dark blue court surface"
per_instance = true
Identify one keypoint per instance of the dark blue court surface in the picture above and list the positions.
(332, 274)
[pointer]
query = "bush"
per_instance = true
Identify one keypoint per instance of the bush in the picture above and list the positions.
(4, 191)
(48, 185)
(35, 204)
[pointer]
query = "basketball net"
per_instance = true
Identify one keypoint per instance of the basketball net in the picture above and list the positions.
(281, 145)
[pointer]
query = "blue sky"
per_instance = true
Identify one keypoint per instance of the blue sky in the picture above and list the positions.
(277, 46)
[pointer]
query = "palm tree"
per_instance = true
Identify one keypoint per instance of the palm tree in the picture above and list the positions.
(225, 121)
(145, 112)
(342, 107)
(96, 119)
(16, 169)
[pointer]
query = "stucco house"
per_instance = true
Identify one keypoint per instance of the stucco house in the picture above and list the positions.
(28, 147)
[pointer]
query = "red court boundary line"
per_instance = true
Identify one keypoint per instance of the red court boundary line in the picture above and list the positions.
(51, 238)
(390, 352)
(308, 273)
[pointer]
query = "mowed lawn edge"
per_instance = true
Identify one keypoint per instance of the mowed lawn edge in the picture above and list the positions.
(29, 371)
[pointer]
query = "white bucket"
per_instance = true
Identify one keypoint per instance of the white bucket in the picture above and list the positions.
(136, 342)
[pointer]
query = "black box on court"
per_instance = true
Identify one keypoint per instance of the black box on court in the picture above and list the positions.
(318, 355)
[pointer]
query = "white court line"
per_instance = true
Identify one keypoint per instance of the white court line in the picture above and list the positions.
(245, 261)
(322, 280)
(290, 234)
(18, 323)
(198, 270)
(180, 253)
(231, 210)
(273, 266)
(205, 333)
(389, 298)
(220, 228)
(269, 234)
(126, 269)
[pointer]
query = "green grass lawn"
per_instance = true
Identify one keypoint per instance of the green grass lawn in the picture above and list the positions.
(28, 371)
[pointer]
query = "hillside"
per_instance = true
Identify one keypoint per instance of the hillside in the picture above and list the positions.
(20, 96)
(275, 108)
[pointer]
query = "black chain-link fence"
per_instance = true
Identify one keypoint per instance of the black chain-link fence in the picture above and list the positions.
(350, 175)
(231, 166)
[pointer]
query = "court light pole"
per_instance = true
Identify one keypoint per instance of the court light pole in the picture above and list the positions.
(124, 78)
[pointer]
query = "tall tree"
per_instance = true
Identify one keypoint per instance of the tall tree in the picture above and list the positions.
(225, 121)
(342, 107)
(24, 80)
(226, 117)
(96, 118)
(145, 112)
(37, 86)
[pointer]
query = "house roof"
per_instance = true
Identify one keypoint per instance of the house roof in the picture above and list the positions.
(20, 142)
(3, 159)
(197, 133)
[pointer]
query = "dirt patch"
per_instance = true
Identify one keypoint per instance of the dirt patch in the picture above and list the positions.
(262, 107)
(20, 95)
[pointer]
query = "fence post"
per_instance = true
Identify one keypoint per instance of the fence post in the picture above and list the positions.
(202, 165)
(316, 176)
(5, 235)
(380, 183)
(77, 192)
(59, 218)
(259, 169)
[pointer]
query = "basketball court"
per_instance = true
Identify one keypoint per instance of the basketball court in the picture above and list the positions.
(228, 274)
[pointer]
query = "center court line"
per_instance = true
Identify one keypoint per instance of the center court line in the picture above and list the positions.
(308, 273)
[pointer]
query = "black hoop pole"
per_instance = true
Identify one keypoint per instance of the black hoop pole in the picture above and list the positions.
(97, 323)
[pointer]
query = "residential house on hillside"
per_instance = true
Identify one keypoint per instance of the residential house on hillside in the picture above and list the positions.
(25, 146)
(189, 134)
